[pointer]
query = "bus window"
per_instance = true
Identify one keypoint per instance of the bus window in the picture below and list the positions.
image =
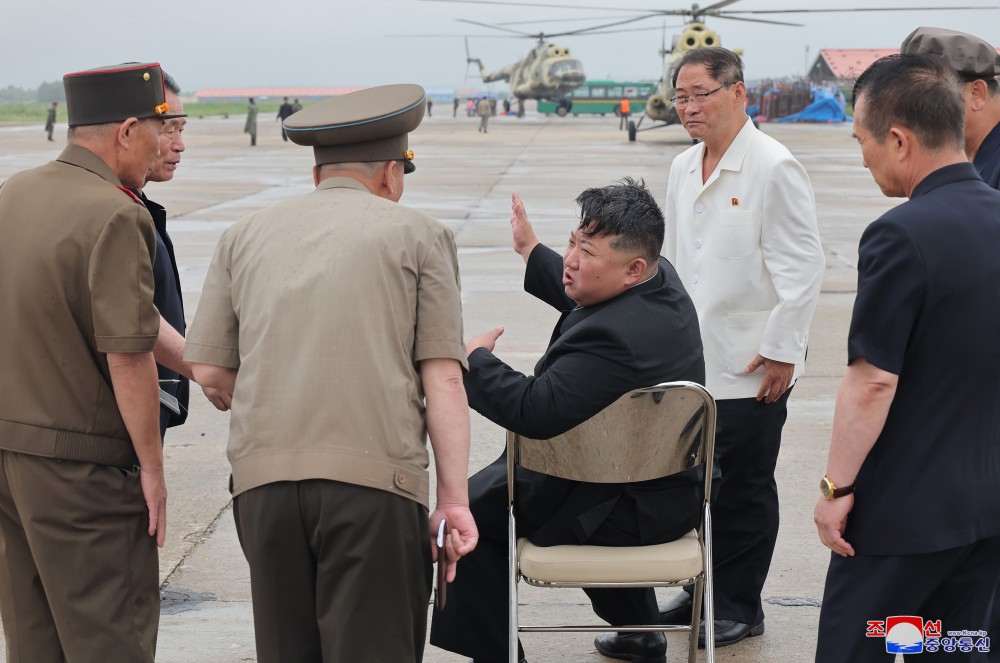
(598, 92)
(615, 92)
(581, 92)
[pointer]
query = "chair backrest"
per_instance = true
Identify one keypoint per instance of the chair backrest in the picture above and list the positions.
(646, 434)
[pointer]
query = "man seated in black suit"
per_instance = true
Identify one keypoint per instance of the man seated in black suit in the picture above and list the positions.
(626, 323)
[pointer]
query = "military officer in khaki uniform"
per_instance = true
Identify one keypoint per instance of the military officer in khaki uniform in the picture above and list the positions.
(484, 109)
(335, 321)
(82, 494)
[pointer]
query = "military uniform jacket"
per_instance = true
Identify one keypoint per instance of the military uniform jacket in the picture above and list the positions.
(326, 304)
(746, 246)
(76, 282)
(251, 125)
(987, 160)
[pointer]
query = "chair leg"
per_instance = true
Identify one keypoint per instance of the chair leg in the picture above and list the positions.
(512, 623)
(709, 590)
(696, 600)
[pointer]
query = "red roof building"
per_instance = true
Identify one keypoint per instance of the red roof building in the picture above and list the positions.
(301, 93)
(842, 65)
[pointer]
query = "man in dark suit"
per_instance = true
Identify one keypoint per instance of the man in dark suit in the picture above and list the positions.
(916, 428)
(626, 323)
(284, 112)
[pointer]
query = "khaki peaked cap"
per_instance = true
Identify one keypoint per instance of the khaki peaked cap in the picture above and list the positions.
(970, 56)
(116, 93)
(364, 126)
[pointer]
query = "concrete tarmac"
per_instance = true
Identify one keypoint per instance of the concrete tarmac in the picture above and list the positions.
(465, 179)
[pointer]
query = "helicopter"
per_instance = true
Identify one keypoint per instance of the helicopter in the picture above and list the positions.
(548, 72)
(659, 107)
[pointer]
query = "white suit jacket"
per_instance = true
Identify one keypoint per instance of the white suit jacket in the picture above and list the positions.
(746, 246)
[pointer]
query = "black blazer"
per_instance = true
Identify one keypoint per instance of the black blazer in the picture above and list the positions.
(168, 301)
(647, 335)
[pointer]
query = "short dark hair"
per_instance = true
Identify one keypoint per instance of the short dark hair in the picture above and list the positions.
(723, 65)
(171, 84)
(626, 212)
(917, 91)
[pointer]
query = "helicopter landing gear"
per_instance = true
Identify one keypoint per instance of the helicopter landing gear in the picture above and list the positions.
(564, 107)
(631, 131)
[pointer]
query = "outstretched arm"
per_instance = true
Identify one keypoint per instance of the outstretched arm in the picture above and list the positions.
(448, 429)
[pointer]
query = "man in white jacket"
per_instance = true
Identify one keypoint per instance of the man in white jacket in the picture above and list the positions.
(742, 234)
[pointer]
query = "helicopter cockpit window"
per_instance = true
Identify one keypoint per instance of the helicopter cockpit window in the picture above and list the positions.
(564, 68)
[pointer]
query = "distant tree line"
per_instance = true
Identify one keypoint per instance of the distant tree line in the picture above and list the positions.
(45, 93)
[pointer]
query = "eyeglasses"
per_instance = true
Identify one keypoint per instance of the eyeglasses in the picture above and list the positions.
(695, 98)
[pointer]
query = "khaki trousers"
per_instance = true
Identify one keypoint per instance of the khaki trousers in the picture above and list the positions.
(338, 572)
(79, 576)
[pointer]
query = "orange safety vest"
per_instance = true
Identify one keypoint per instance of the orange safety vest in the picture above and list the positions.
(625, 107)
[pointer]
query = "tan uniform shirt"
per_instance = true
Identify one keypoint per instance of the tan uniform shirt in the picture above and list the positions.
(76, 282)
(484, 108)
(325, 304)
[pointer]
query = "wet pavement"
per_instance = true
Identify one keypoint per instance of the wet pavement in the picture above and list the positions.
(465, 179)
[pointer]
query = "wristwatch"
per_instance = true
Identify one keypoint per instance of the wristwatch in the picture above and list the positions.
(830, 491)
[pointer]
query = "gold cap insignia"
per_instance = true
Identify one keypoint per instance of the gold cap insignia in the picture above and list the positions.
(408, 154)
(161, 109)
(145, 76)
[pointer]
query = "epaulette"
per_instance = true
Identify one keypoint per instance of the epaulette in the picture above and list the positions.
(131, 195)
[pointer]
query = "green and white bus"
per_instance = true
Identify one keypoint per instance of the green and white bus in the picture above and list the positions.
(601, 98)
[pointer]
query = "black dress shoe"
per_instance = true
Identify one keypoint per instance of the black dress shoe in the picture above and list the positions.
(676, 611)
(729, 632)
(635, 647)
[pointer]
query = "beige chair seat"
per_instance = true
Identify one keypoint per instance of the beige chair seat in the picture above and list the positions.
(581, 565)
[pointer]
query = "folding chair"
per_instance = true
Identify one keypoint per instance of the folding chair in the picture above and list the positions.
(646, 434)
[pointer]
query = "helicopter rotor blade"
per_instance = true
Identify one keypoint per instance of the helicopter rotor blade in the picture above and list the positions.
(566, 20)
(860, 9)
(756, 20)
(713, 7)
(667, 12)
(588, 30)
(626, 30)
(495, 27)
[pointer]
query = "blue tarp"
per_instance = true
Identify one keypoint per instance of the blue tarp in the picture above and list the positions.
(827, 106)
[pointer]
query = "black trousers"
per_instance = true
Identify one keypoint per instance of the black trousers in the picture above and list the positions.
(955, 586)
(338, 572)
(745, 509)
(474, 621)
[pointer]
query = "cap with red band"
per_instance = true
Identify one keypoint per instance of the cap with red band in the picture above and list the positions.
(116, 93)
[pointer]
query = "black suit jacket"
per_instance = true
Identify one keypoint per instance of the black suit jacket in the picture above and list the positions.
(169, 302)
(647, 335)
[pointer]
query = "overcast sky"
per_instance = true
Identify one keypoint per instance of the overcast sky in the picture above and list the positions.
(224, 43)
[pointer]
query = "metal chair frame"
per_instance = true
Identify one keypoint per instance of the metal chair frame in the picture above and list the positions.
(525, 452)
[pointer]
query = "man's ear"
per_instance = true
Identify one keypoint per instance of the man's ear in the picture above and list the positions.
(980, 92)
(388, 178)
(901, 140)
(126, 130)
(634, 271)
(740, 89)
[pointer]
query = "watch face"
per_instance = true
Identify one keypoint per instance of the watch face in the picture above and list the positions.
(824, 487)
